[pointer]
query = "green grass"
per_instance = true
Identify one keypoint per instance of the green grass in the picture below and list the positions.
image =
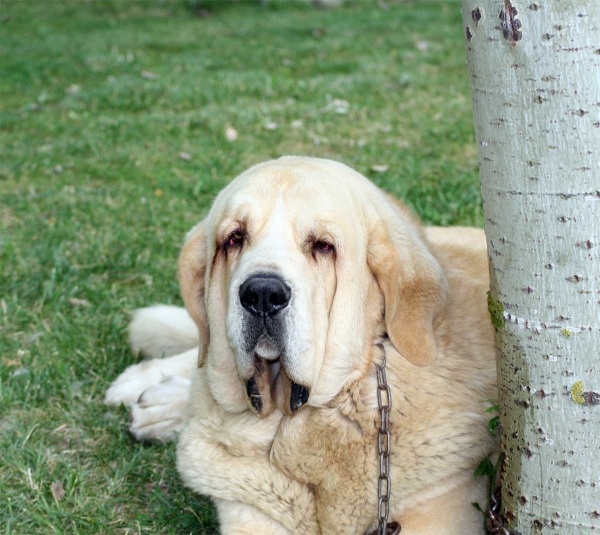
(95, 200)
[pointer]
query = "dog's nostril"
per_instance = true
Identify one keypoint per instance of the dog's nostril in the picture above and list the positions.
(249, 299)
(278, 299)
(264, 295)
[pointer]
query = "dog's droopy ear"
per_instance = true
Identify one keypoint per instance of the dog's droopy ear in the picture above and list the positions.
(192, 273)
(412, 282)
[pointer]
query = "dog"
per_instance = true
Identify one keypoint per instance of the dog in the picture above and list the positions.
(304, 277)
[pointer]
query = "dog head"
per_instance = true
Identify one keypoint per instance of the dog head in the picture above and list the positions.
(297, 266)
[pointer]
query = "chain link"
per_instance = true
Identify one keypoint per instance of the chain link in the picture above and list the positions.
(494, 522)
(384, 447)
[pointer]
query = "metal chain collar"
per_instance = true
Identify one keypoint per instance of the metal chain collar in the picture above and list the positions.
(494, 522)
(384, 447)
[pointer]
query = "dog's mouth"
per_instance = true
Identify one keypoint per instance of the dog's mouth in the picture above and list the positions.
(270, 387)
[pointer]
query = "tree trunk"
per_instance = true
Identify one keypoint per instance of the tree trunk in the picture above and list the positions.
(535, 81)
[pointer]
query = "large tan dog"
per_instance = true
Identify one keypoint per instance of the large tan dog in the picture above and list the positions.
(301, 267)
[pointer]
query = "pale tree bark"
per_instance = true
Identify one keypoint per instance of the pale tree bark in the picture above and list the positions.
(535, 81)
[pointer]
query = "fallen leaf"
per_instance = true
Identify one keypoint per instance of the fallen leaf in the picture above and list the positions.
(76, 302)
(149, 75)
(159, 192)
(58, 491)
(33, 337)
(231, 133)
(380, 168)
(18, 372)
(337, 105)
(77, 389)
(341, 106)
(185, 156)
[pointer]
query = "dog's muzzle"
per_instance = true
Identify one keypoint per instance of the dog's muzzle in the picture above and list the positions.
(265, 297)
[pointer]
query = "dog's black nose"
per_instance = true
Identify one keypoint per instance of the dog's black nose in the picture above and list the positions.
(264, 295)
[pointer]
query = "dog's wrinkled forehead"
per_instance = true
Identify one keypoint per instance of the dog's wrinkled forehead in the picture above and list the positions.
(263, 187)
(296, 196)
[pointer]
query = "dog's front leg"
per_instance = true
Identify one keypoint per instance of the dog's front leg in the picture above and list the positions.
(237, 518)
(326, 451)
(210, 468)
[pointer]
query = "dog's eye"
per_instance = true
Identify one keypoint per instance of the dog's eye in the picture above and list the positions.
(234, 239)
(324, 247)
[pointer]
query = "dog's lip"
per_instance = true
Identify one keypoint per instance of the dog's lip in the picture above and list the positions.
(286, 394)
(259, 386)
(299, 397)
(267, 349)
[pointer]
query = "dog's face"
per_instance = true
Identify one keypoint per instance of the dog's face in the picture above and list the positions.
(287, 277)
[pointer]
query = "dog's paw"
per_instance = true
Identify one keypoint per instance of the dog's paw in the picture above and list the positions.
(161, 410)
(135, 380)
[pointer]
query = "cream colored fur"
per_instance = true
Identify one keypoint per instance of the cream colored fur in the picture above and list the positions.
(316, 472)
(162, 331)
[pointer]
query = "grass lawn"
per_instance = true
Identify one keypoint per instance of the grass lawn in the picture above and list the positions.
(113, 120)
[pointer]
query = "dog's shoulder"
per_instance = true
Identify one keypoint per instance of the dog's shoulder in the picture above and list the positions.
(462, 251)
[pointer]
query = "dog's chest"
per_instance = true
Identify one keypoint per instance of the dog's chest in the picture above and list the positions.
(325, 450)
(319, 444)
(299, 449)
